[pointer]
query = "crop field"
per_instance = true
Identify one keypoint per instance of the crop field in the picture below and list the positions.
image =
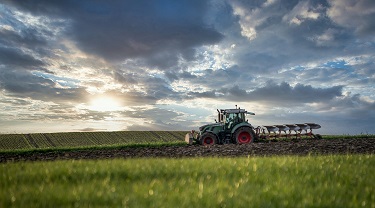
(86, 139)
(35, 141)
(156, 169)
(283, 181)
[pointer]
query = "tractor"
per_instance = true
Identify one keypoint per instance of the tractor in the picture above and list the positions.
(231, 127)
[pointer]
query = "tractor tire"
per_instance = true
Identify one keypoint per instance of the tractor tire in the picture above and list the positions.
(208, 139)
(244, 135)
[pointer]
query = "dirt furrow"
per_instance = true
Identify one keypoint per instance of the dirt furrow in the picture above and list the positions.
(296, 147)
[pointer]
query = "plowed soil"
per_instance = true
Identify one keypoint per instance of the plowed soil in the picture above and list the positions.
(295, 147)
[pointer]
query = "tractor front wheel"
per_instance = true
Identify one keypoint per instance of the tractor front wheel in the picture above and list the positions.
(244, 135)
(208, 139)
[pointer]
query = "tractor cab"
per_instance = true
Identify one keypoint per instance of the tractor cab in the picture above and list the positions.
(232, 117)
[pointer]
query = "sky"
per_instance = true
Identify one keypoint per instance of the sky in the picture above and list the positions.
(168, 65)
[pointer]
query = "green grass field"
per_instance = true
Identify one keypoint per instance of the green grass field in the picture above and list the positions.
(288, 181)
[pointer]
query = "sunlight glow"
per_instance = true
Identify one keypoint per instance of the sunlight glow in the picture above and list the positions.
(104, 104)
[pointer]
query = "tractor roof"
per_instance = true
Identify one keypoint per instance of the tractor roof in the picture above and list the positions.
(235, 111)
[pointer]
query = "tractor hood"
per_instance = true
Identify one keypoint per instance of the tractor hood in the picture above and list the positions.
(207, 125)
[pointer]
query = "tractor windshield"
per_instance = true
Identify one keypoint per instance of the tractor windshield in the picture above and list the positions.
(235, 117)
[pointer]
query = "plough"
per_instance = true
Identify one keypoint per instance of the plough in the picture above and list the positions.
(232, 127)
(296, 131)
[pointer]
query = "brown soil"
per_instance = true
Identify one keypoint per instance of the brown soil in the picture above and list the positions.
(296, 147)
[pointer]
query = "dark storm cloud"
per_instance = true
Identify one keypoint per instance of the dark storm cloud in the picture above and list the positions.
(298, 94)
(14, 57)
(221, 78)
(283, 94)
(23, 84)
(24, 37)
(29, 37)
(117, 30)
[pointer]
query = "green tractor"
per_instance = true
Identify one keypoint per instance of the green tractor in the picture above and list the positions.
(230, 127)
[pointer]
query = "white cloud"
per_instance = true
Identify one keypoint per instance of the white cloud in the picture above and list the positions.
(269, 3)
(326, 39)
(355, 14)
(301, 12)
(249, 18)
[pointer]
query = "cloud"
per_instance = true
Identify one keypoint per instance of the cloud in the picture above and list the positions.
(357, 105)
(250, 16)
(13, 57)
(348, 114)
(280, 44)
(301, 12)
(285, 59)
(282, 94)
(156, 119)
(89, 129)
(29, 37)
(119, 30)
(23, 84)
(358, 15)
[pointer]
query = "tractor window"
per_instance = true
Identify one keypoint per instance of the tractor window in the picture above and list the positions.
(234, 117)
(230, 117)
(241, 117)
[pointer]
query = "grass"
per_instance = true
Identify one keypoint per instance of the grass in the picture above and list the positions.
(359, 136)
(288, 181)
(99, 147)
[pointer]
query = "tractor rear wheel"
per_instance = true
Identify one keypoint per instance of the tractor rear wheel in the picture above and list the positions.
(244, 135)
(208, 139)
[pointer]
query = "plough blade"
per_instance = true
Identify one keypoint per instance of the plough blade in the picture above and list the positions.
(287, 131)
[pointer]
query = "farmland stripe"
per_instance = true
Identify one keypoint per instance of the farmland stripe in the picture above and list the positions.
(49, 140)
(31, 141)
(158, 136)
(178, 138)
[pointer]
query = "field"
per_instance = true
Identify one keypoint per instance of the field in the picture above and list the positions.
(86, 139)
(286, 181)
(155, 169)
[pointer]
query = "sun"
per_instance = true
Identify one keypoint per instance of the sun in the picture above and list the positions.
(104, 104)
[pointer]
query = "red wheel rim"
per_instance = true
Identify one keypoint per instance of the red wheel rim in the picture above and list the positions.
(244, 137)
(208, 141)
